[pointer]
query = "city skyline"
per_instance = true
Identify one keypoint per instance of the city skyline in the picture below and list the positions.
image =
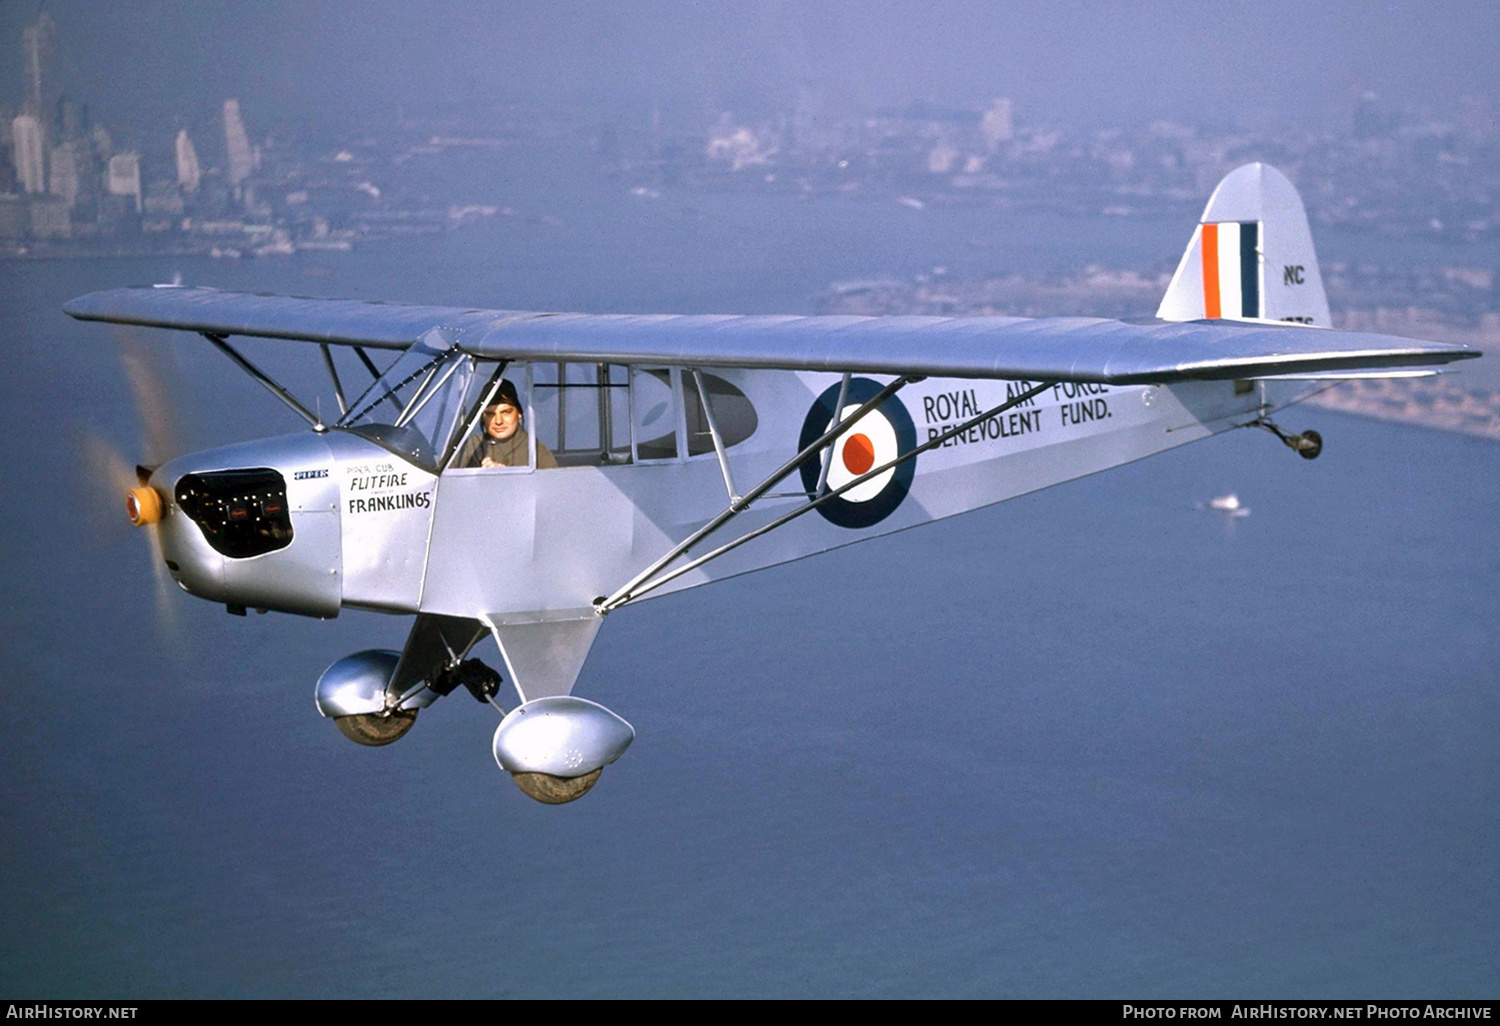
(1073, 63)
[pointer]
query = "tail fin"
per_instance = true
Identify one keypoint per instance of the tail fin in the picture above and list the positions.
(1251, 257)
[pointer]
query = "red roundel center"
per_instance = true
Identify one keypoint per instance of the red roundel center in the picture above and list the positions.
(859, 454)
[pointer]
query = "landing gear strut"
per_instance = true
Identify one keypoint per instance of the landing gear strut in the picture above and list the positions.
(483, 683)
(1308, 445)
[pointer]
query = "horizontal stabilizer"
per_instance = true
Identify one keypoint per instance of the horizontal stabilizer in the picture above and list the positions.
(1012, 348)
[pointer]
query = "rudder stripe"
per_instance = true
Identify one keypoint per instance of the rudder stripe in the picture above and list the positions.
(1211, 271)
(1249, 269)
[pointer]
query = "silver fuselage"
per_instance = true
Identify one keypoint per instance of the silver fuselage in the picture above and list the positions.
(374, 531)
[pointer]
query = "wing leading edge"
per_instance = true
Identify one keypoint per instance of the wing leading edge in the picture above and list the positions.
(1062, 349)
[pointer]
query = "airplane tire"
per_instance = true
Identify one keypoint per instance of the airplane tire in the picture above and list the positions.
(375, 729)
(1310, 445)
(550, 790)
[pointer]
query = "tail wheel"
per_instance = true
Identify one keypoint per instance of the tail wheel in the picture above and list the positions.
(376, 729)
(1309, 445)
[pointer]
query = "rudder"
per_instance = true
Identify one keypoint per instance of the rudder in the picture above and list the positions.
(1251, 256)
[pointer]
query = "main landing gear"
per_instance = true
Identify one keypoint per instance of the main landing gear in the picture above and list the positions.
(354, 693)
(554, 746)
(1308, 445)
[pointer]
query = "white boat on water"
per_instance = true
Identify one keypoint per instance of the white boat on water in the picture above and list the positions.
(1228, 505)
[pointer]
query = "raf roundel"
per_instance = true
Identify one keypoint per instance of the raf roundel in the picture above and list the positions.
(880, 436)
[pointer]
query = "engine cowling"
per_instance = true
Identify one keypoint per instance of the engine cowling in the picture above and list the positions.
(254, 525)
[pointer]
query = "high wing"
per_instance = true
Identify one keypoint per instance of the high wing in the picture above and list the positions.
(1053, 349)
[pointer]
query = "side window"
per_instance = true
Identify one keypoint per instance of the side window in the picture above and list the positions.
(589, 414)
(582, 412)
(654, 399)
(733, 414)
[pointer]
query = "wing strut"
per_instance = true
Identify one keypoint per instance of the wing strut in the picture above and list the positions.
(338, 386)
(739, 505)
(369, 364)
(640, 586)
(261, 376)
(828, 452)
(713, 432)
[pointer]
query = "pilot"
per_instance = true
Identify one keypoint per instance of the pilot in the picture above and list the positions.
(503, 443)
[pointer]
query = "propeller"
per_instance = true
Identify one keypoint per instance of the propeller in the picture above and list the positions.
(154, 380)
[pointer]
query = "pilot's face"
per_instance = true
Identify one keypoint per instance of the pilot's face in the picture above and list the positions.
(500, 422)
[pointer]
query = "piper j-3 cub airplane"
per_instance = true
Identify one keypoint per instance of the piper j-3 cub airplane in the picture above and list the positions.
(648, 454)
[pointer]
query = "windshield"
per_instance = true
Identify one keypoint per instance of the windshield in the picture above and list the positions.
(416, 405)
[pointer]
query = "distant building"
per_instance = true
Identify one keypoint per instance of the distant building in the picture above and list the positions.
(995, 125)
(101, 142)
(124, 177)
(50, 219)
(15, 219)
(64, 178)
(738, 145)
(163, 199)
(71, 119)
(26, 134)
(36, 45)
(941, 158)
(188, 173)
(241, 159)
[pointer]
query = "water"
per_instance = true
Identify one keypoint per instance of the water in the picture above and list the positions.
(1091, 742)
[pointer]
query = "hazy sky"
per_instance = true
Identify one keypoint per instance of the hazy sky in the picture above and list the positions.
(1063, 60)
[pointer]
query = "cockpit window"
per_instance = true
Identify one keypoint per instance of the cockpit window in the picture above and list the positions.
(496, 437)
(593, 414)
(415, 407)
